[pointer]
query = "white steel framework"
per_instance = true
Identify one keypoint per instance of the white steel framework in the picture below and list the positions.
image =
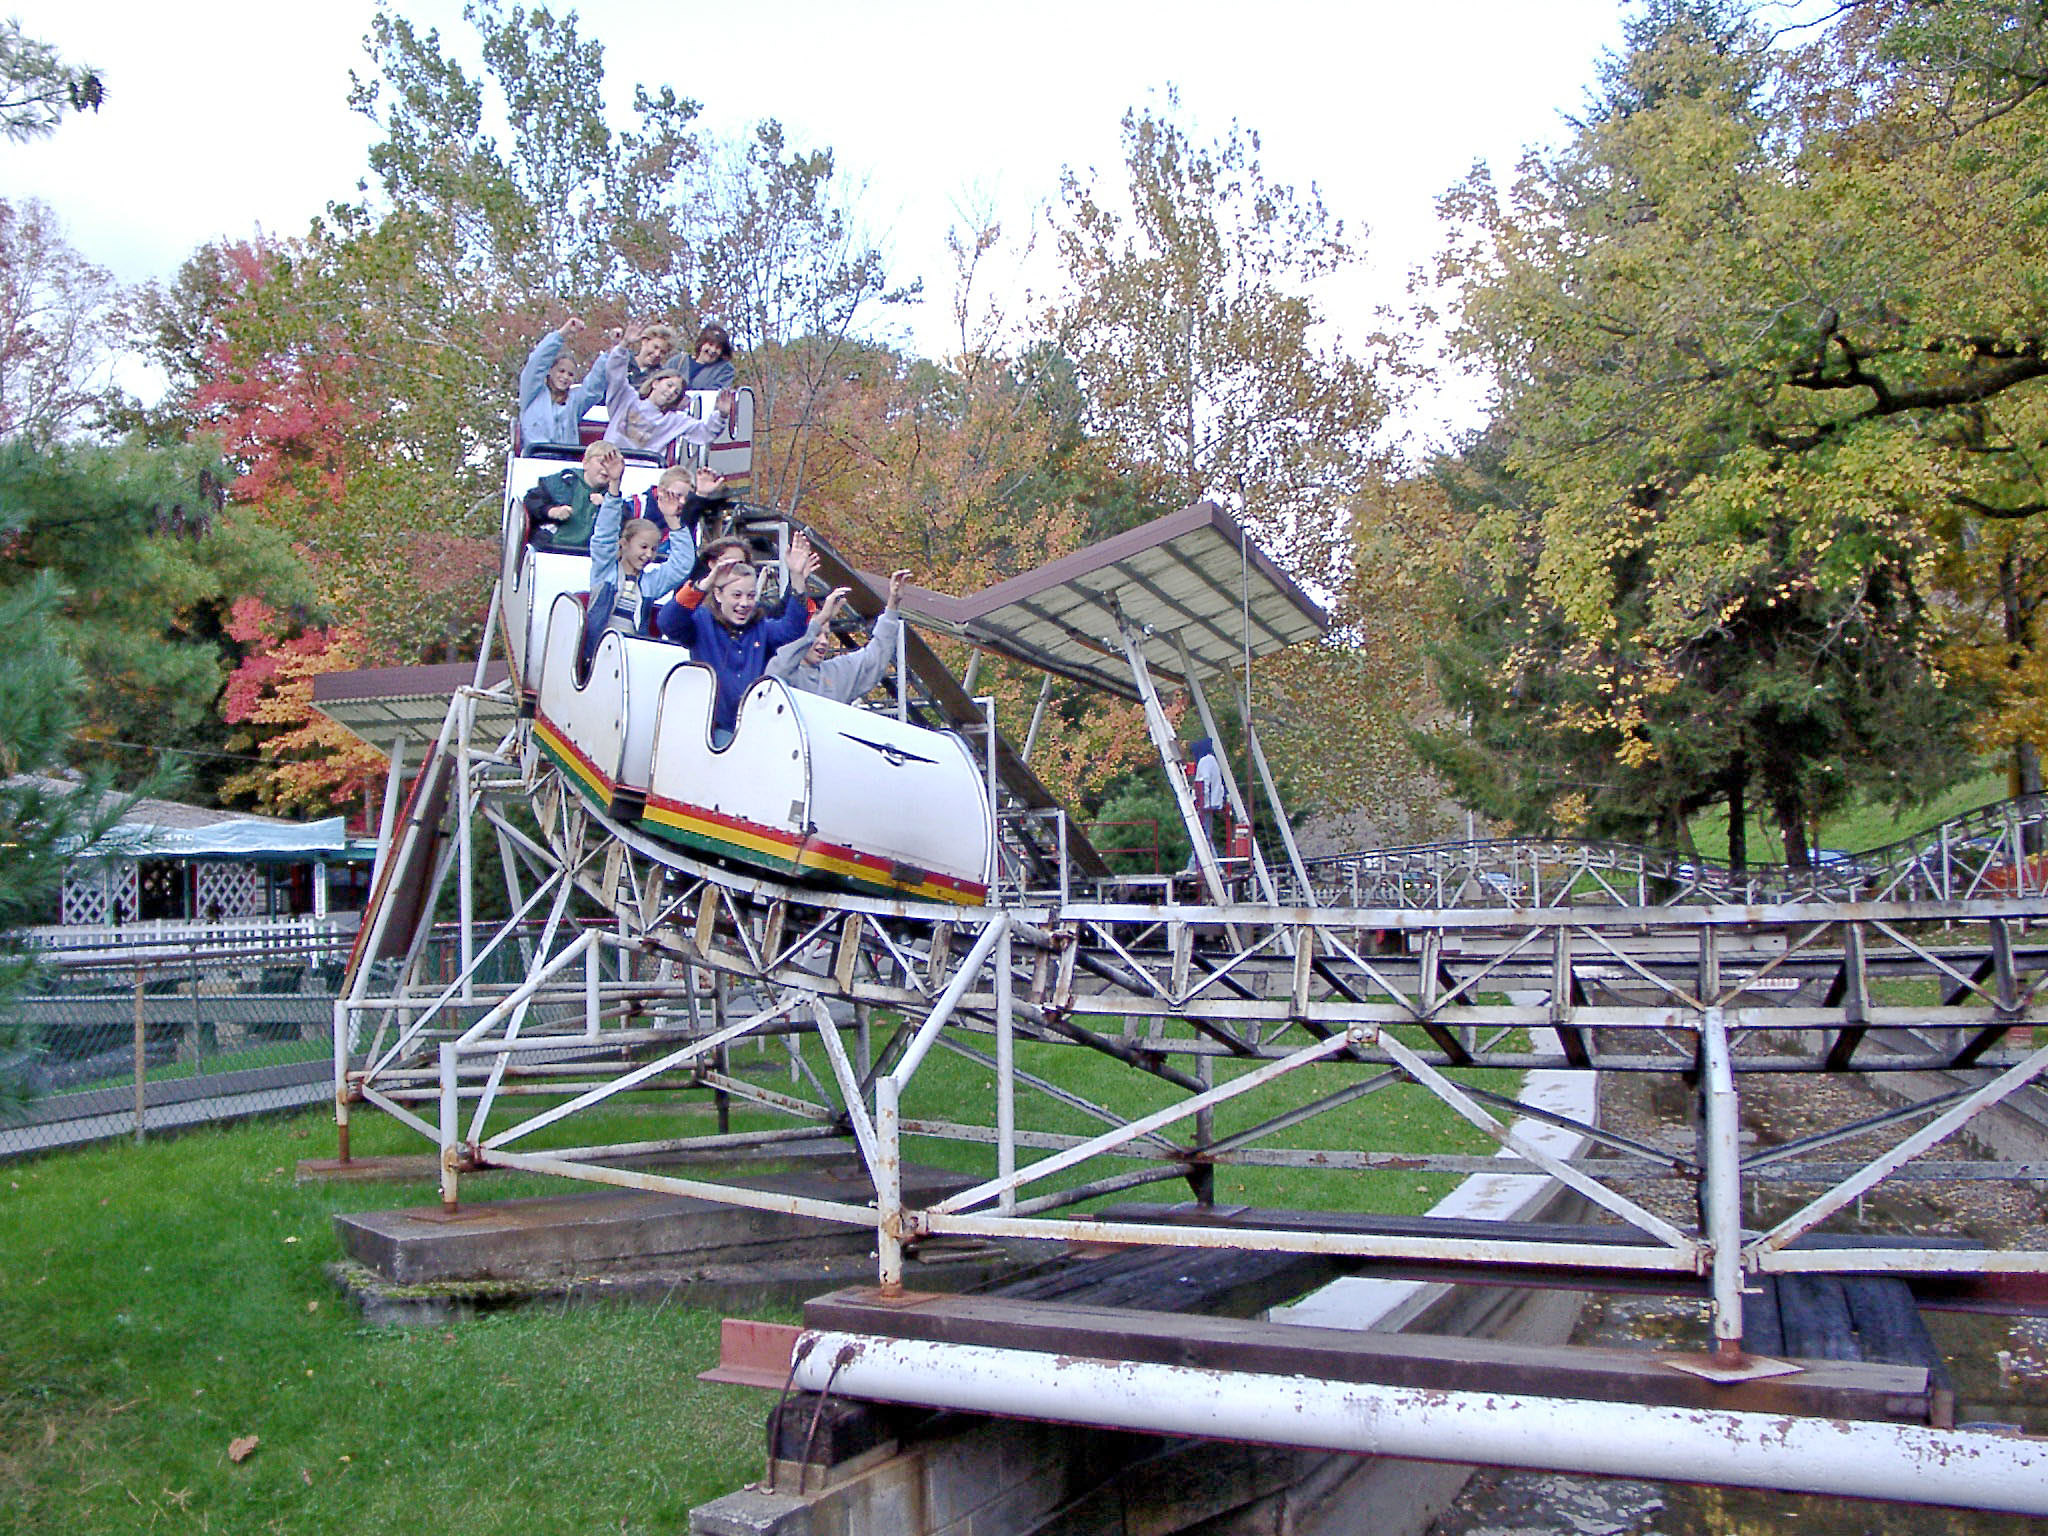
(1264, 1019)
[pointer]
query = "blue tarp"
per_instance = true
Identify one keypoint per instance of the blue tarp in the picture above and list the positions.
(239, 839)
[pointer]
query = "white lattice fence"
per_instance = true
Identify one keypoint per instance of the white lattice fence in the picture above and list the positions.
(93, 891)
(223, 889)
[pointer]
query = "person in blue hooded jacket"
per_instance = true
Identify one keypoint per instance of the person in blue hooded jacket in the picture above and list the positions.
(551, 402)
(719, 617)
(625, 583)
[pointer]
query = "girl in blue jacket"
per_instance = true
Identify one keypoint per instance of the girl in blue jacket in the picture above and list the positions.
(719, 618)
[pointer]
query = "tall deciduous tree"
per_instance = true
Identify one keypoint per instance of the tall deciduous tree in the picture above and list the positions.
(1763, 334)
(574, 208)
(1205, 363)
(785, 265)
(59, 316)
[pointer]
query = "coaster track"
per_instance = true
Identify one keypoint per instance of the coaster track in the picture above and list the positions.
(1287, 1015)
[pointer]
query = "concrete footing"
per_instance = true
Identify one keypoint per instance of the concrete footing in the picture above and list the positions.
(610, 1231)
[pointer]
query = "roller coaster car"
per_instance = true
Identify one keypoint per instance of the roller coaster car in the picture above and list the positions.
(807, 789)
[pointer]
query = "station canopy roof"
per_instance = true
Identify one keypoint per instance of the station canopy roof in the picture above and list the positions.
(1193, 574)
(383, 704)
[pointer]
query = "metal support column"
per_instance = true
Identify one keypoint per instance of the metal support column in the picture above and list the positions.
(1721, 1195)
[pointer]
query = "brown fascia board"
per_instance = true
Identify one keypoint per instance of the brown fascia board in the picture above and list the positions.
(439, 680)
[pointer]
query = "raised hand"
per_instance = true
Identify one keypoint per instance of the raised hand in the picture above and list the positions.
(834, 601)
(572, 328)
(896, 580)
(803, 559)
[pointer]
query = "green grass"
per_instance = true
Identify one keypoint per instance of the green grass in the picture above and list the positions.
(158, 1302)
(1402, 1118)
(214, 1063)
(1856, 828)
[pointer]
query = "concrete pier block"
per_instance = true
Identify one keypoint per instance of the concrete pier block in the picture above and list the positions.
(558, 1235)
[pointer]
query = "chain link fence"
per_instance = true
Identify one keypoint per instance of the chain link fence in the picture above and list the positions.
(128, 1039)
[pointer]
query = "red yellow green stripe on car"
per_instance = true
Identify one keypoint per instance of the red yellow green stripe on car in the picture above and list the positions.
(735, 837)
(594, 785)
(715, 832)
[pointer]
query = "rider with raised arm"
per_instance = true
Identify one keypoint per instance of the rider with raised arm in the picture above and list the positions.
(624, 581)
(812, 663)
(551, 402)
(718, 616)
(651, 417)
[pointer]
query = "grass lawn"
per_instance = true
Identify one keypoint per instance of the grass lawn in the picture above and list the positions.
(1856, 828)
(157, 1303)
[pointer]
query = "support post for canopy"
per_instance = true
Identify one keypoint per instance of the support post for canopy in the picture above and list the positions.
(1251, 737)
(1237, 805)
(1163, 741)
(1037, 714)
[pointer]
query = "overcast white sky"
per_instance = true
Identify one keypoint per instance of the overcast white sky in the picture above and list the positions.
(226, 115)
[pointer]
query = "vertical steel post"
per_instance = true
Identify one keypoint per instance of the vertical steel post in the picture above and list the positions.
(720, 1099)
(343, 1020)
(451, 1120)
(1006, 1078)
(1721, 1195)
(1202, 1178)
(593, 973)
(141, 1055)
(888, 1184)
(987, 703)
(902, 673)
(465, 899)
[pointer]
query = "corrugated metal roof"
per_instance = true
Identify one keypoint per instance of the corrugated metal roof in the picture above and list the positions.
(1194, 575)
(381, 704)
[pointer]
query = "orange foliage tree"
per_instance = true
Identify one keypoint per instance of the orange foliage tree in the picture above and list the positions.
(309, 762)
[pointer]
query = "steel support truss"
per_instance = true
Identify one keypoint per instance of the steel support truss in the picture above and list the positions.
(1995, 852)
(1257, 1030)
